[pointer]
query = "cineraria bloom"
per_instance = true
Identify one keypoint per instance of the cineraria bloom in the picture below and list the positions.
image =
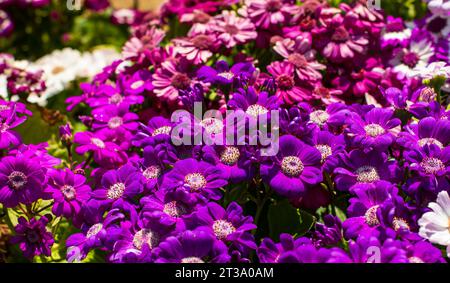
(229, 226)
(252, 102)
(151, 169)
(232, 29)
(435, 225)
(267, 13)
(423, 252)
(332, 117)
(231, 160)
(362, 169)
(376, 129)
(158, 130)
(291, 250)
(21, 180)
(432, 164)
(223, 74)
(363, 18)
(119, 187)
(329, 232)
(329, 146)
(432, 71)
(191, 247)
(69, 192)
(167, 208)
(188, 6)
(295, 167)
(138, 83)
(114, 118)
(8, 121)
(395, 33)
(362, 80)
(363, 209)
(37, 152)
(427, 131)
(33, 237)
(199, 178)
(136, 47)
(197, 49)
(370, 249)
(417, 55)
(337, 43)
(101, 234)
(106, 153)
(169, 79)
(300, 54)
(287, 90)
(199, 20)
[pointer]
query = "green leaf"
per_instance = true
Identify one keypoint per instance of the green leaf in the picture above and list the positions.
(284, 218)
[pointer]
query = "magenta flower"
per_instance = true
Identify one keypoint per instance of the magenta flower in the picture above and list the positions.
(266, 13)
(287, 90)
(33, 237)
(69, 192)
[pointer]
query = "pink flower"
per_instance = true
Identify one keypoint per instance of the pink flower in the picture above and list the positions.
(169, 79)
(265, 13)
(287, 91)
(136, 45)
(196, 49)
(199, 20)
(338, 43)
(299, 54)
(232, 29)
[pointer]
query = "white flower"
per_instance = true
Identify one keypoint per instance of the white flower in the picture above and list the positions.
(417, 56)
(432, 70)
(439, 7)
(434, 225)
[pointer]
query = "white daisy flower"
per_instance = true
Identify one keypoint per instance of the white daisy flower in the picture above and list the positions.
(435, 225)
(435, 69)
(417, 56)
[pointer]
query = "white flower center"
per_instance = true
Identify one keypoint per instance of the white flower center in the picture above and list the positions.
(325, 151)
(367, 174)
(164, 130)
(400, 223)
(432, 165)
(174, 209)
(319, 117)
(152, 172)
(430, 141)
(192, 259)
(370, 216)
(374, 130)
(145, 236)
(94, 230)
(292, 166)
(230, 155)
(116, 191)
(195, 181)
(222, 229)
(69, 192)
(115, 122)
(255, 110)
(98, 142)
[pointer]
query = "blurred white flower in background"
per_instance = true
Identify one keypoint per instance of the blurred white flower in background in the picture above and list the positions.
(62, 67)
(432, 70)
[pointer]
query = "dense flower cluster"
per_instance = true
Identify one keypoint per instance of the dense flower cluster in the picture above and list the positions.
(364, 140)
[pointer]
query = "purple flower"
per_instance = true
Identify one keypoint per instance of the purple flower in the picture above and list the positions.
(432, 164)
(364, 168)
(229, 226)
(426, 132)
(9, 120)
(97, 5)
(6, 25)
(267, 13)
(364, 208)
(197, 177)
(376, 129)
(295, 167)
(69, 192)
(329, 233)
(119, 186)
(158, 130)
(21, 180)
(191, 247)
(223, 74)
(105, 152)
(114, 118)
(151, 169)
(329, 146)
(33, 237)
